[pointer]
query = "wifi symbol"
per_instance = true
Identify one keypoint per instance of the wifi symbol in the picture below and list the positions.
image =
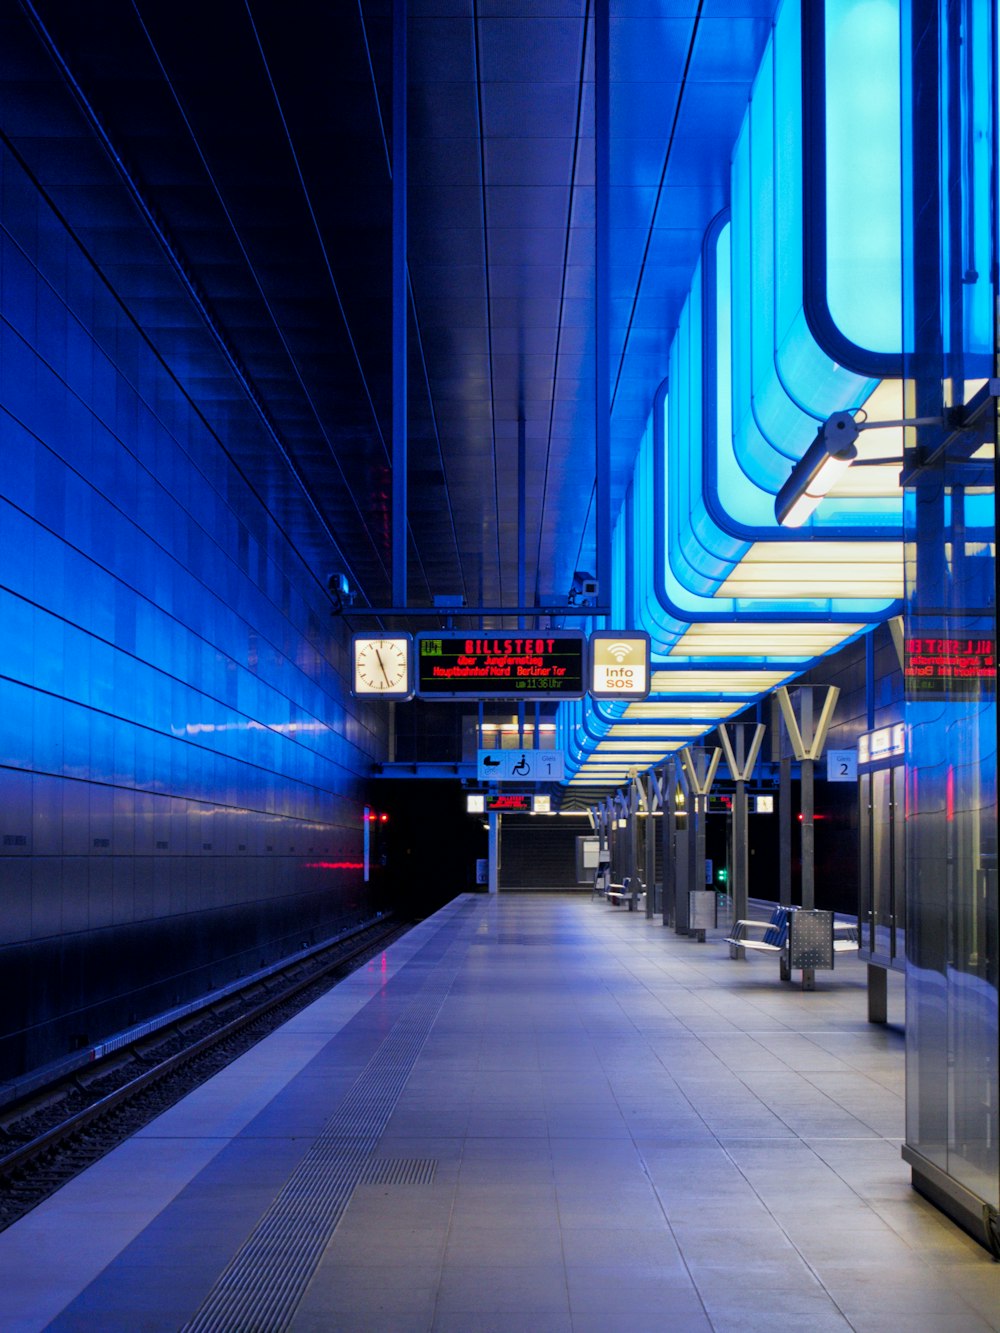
(619, 651)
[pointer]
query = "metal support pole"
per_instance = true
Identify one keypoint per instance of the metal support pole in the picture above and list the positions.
(808, 855)
(651, 887)
(807, 735)
(683, 861)
(741, 858)
(400, 300)
(698, 847)
(521, 551)
(741, 762)
(602, 294)
(494, 852)
(808, 835)
(700, 764)
(633, 834)
(785, 831)
(669, 835)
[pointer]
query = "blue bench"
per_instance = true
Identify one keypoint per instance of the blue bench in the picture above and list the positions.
(774, 937)
(624, 893)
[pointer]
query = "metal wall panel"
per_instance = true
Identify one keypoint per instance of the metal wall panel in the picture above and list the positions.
(174, 703)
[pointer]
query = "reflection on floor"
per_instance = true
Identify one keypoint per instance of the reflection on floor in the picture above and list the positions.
(535, 1112)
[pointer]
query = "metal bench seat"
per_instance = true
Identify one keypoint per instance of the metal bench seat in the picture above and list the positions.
(774, 938)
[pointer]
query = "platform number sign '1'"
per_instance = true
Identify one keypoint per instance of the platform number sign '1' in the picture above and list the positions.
(619, 665)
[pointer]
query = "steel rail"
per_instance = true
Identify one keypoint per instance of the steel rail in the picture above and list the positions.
(37, 1148)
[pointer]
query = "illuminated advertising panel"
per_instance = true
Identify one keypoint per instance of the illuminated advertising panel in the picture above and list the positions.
(547, 664)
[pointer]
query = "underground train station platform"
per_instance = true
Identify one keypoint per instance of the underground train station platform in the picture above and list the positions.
(532, 1112)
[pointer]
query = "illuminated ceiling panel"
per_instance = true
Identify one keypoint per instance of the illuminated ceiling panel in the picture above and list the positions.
(611, 750)
(656, 732)
(821, 570)
(873, 482)
(636, 750)
(763, 640)
(743, 683)
(609, 772)
(670, 711)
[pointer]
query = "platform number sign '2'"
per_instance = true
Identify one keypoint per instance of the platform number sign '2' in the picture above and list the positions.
(841, 765)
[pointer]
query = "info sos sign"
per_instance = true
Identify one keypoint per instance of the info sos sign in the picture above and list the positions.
(619, 665)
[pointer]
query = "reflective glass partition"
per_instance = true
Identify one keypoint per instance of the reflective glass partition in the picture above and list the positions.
(952, 1038)
(882, 869)
(952, 1035)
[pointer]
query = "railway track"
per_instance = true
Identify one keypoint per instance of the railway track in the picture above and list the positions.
(57, 1133)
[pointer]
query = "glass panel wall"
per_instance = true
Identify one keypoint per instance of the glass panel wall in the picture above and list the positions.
(950, 629)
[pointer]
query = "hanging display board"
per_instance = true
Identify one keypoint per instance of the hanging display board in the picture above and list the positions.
(511, 801)
(512, 666)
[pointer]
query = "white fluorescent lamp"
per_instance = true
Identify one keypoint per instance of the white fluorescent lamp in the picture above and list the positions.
(818, 470)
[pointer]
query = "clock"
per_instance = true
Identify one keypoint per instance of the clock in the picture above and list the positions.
(382, 666)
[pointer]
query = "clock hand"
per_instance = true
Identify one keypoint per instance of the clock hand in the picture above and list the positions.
(378, 657)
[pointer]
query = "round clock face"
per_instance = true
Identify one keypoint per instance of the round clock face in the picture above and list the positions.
(381, 666)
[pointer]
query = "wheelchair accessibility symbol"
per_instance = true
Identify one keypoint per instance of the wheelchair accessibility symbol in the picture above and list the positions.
(520, 766)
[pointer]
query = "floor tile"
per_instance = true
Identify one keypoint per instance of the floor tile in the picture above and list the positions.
(626, 1131)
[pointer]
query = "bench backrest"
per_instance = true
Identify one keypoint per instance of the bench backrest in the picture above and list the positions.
(777, 929)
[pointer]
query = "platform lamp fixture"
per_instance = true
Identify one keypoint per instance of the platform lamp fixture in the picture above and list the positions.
(818, 470)
(834, 450)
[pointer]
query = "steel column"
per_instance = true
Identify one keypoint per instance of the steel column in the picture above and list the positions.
(400, 305)
(494, 852)
(652, 793)
(602, 296)
(785, 831)
(741, 764)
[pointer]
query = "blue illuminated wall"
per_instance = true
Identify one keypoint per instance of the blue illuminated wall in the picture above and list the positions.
(180, 762)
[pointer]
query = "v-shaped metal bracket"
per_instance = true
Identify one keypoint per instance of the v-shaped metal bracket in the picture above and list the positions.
(741, 766)
(808, 740)
(700, 764)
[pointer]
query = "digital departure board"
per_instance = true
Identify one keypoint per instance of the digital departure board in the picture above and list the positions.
(511, 666)
(963, 667)
(511, 801)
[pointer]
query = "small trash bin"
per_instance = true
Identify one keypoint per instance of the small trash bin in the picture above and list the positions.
(703, 905)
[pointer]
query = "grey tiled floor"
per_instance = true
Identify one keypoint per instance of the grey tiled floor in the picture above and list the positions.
(630, 1131)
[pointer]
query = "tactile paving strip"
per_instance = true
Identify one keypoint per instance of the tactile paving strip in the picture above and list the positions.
(399, 1171)
(267, 1277)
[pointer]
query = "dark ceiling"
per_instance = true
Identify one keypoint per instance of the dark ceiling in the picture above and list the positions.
(228, 166)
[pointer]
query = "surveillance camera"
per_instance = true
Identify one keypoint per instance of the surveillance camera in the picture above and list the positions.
(339, 588)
